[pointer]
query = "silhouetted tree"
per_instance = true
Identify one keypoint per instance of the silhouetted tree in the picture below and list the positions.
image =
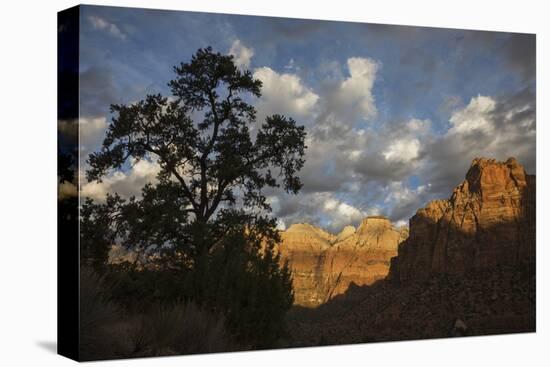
(215, 160)
(207, 216)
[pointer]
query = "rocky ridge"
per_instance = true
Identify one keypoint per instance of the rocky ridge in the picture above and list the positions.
(467, 268)
(488, 222)
(324, 265)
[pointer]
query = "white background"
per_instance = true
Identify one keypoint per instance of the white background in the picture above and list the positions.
(28, 182)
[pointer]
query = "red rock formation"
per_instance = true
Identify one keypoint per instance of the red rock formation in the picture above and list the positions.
(467, 268)
(324, 265)
(489, 221)
(304, 246)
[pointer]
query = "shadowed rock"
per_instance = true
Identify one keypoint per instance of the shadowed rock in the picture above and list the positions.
(467, 268)
(488, 221)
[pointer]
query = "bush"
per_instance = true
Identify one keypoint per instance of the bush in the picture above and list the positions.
(252, 289)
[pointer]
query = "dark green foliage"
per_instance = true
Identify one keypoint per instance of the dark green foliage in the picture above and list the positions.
(99, 229)
(241, 278)
(141, 290)
(202, 233)
(255, 291)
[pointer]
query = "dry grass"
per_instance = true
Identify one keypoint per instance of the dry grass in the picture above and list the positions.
(180, 329)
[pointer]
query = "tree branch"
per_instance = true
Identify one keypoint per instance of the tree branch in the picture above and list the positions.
(186, 190)
(173, 170)
(217, 198)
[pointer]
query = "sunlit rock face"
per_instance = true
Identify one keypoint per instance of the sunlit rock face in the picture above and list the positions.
(488, 222)
(466, 268)
(324, 265)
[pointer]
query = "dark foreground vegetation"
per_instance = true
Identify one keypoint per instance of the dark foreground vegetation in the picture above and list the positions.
(109, 330)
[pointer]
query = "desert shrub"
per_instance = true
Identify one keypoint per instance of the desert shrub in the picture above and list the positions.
(142, 290)
(252, 289)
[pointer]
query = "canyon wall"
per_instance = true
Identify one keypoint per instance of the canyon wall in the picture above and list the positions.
(487, 223)
(324, 265)
(466, 268)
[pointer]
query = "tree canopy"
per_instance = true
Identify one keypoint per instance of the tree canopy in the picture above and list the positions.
(215, 161)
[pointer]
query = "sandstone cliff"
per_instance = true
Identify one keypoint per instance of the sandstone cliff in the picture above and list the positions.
(488, 222)
(467, 268)
(324, 265)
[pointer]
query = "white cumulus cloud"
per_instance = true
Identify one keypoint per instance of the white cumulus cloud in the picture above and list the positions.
(91, 134)
(357, 89)
(353, 96)
(284, 93)
(104, 25)
(242, 54)
(125, 184)
(341, 213)
(402, 150)
(474, 117)
(418, 126)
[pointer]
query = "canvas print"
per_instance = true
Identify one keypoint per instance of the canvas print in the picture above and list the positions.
(235, 183)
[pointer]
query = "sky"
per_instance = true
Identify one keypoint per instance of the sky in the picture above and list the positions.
(394, 115)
